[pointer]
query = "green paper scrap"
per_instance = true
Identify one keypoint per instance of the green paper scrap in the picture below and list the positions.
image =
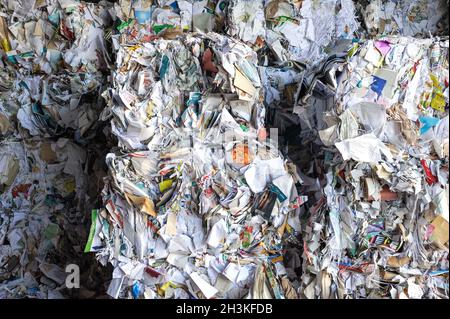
(164, 67)
(124, 25)
(160, 27)
(353, 50)
(88, 247)
(51, 231)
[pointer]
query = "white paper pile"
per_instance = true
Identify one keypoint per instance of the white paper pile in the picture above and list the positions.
(231, 148)
(381, 229)
(52, 57)
(420, 18)
(197, 199)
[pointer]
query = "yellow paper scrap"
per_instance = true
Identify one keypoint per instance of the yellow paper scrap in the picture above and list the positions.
(145, 204)
(165, 185)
